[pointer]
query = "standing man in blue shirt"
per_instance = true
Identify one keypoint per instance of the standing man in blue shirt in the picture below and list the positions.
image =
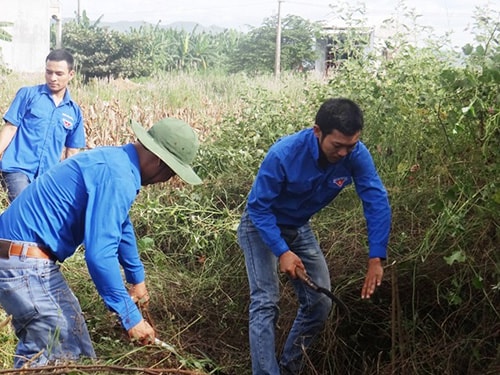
(84, 200)
(41, 123)
(300, 175)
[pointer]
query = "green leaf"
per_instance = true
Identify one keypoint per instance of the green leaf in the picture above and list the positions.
(496, 197)
(457, 256)
(477, 282)
(467, 49)
(145, 243)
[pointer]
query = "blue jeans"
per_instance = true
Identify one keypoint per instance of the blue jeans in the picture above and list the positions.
(14, 183)
(262, 270)
(46, 316)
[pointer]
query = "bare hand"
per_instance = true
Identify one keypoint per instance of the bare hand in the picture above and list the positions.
(142, 332)
(288, 262)
(373, 277)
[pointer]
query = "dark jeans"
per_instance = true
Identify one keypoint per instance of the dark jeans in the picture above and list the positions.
(262, 270)
(14, 183)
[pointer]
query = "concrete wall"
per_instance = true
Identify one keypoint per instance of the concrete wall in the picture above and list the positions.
(30, 33)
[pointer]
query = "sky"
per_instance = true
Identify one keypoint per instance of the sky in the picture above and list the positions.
(455, 16)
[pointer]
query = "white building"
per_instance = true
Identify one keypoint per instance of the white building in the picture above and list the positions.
(30, 31)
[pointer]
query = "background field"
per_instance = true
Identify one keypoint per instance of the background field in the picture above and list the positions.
(432, 126)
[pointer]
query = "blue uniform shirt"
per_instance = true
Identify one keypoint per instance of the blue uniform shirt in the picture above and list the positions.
(86, 199)
(291, 186)
(43, 130)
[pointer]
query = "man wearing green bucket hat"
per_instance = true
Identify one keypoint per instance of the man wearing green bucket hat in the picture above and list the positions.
(84, 200)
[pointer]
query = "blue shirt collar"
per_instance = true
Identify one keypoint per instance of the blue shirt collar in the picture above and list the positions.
(313, 145)
(134, 160)
(67, 97)
(315, 150)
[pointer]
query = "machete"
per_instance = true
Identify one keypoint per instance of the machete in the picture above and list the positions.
(306, 279)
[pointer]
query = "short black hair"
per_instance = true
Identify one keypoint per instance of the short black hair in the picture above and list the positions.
(339, 114)
(61, 55)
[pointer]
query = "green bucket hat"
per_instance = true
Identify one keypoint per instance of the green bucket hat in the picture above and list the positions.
(174, 142)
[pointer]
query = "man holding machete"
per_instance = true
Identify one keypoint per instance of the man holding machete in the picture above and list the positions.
(84, 200)
(300, 175)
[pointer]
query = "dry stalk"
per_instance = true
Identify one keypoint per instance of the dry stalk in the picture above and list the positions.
(64, 369)
(6, 322)
(397, 336)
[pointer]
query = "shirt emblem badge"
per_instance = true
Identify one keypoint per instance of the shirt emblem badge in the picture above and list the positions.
(67, 124)
(339, 181)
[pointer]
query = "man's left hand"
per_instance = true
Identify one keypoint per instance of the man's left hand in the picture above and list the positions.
(373, 277)
(143, 333)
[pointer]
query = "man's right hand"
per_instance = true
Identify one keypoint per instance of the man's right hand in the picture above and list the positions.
(288, 262)
(142, 332)
(139, 294)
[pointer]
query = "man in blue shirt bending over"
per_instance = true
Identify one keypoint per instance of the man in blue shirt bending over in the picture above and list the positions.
(300, 175)
(42, 125)
(84, 200)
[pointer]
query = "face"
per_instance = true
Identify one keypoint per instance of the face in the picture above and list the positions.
(157, 172)
(58, 75)
(336, 145)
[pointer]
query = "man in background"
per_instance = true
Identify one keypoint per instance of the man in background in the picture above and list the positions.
(42, 125)
(84, 200)
(301, 174)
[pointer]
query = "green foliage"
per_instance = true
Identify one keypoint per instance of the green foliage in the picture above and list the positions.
(4, 35)
(152, 50)
(433, 128)
(145, 51)
(257, 50)
(297, 45)
(236, 149)
(101, 53)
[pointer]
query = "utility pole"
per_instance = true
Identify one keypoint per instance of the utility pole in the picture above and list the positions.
(58, 20)
(78, 12)
(277, 58)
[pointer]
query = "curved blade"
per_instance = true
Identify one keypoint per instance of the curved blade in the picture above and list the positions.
(302, 275)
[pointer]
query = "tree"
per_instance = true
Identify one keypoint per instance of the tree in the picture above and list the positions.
(256, 51)
(103, 53)
(298, 41)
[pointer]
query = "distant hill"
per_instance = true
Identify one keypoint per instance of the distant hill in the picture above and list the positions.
(123, 26)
